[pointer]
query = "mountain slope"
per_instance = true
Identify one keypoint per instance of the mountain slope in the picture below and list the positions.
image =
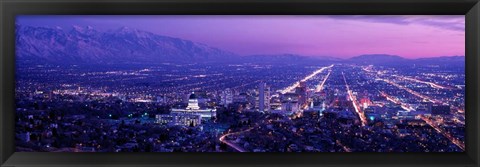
(288, 58)
(124, 45)
(440, 60)
(376, 59)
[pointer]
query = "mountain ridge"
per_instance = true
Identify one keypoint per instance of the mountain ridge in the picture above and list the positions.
(127, 45)
(395, 59)
(85, 44)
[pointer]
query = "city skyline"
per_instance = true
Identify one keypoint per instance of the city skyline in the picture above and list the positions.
(406, 36)
(117, 89)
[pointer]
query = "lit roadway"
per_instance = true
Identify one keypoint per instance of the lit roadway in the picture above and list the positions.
(233, 145)
(420, 95)
(357, 108)
(444, 133)
(405, 106)
(429, 122)
(433, 85)
(410, 91)
(343, 146)
(320, 87)
(450, 137)
(296, 84)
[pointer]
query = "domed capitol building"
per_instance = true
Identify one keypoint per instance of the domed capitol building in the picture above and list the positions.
(194, 108)
(192, 115)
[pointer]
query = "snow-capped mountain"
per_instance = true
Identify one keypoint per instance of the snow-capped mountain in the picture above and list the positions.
(124, 45)
(127, 45)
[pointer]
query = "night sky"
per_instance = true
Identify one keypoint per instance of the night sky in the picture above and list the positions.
(335, 36)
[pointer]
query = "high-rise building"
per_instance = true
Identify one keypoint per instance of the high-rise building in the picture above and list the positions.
(267, 98)
(161, 99)
(290, 105)
(227, 97)
(302, 91)
(263, 97)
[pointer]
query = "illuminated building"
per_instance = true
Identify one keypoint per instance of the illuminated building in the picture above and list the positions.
(263, 102)
(227, 97)
(290, 106)
(365, 102)
(183, 119)
(261, 96)
(301, 90)
(194, 108)
(425, 107)
(161, 99)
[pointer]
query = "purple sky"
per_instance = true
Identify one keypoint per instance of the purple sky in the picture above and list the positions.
(336, 36)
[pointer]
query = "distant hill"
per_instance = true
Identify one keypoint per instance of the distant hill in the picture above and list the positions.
(288, 58)
(442, 60)
(376, 59)
(126, 45)
(87, 45)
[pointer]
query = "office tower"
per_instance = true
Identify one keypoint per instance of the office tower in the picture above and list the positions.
(227, 97)
(261, 97)
(301, 90)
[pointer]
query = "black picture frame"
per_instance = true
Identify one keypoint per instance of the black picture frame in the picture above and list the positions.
(11, 8)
